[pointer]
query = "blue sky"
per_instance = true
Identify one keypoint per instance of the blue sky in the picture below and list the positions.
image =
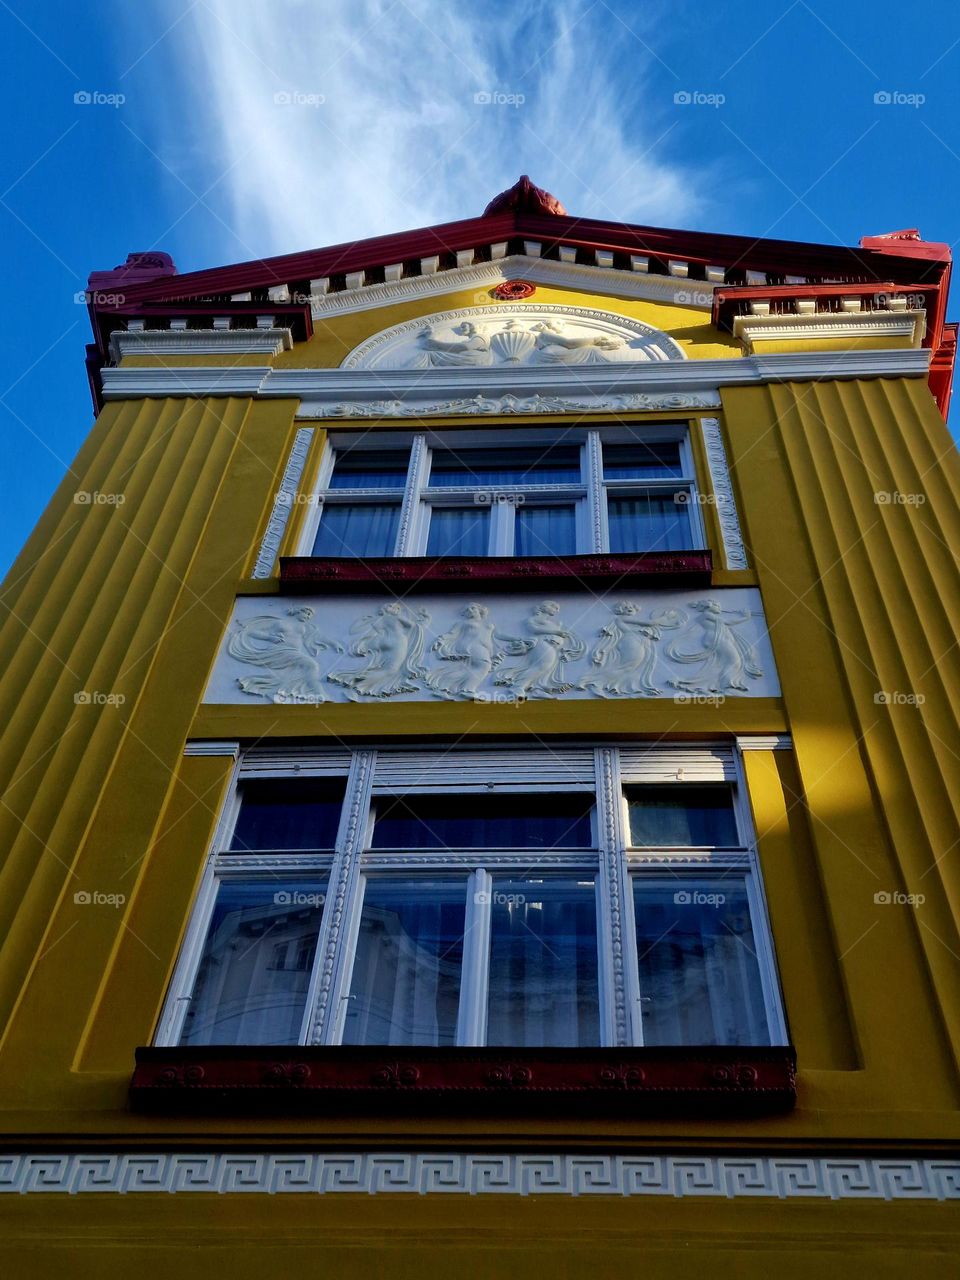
(222, 130)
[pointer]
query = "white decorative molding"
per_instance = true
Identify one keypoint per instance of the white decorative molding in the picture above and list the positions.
(327, 393)
(697, 294)
(782, 1177)
(283, 503)
(514, 335)
(509, 405)
(230, 749)
(837, 326)
(498, 648)
(199, 342)
(734, 552)
(766, 742)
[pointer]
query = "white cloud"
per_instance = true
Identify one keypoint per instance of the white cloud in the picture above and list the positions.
(350, 118)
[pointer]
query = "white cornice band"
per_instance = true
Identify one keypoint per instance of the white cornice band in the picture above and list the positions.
(743, 1176)
(343, 393)
(836, 326)
(696, 294)
(199, 342)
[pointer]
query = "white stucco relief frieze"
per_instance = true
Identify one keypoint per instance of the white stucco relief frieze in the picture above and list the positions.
(519, 335)
(501, 648)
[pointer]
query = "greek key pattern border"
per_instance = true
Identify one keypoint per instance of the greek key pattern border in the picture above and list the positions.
(461, 1173)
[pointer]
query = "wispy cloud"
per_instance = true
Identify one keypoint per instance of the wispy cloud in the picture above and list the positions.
(338, 120)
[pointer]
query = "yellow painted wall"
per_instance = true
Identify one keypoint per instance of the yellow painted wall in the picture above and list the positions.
(132, 599)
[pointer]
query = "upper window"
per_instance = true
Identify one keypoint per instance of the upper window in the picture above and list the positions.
(533, 493)
(474, 912)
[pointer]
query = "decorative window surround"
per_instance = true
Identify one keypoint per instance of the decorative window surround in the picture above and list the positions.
(696, 294)
(283, 503)
(734, 551)
(343, 393)
(838, 326)
(199, 342)
(803, 1176)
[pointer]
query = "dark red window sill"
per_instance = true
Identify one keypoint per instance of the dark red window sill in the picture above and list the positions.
(652, 568)
(719, 1082)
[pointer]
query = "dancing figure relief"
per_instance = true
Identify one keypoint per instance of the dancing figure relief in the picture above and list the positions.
(289, 648)
(726, 658)
(626, 656)
(468, 651)
(391, 641)
(544, 651)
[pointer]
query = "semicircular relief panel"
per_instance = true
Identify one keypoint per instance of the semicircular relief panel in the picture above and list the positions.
(512, 336)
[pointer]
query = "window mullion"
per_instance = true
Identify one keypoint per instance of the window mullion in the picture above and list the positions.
(475, 975)
(618, 968)
(598, 539)
(333, 967)
(410, 507)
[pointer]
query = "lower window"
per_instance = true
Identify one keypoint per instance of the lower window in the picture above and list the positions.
(479, 914)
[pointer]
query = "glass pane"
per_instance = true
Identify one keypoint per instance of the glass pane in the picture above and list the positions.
(360, 529)
(362, 469)
(477, 467)
(543, 963)
(549, 821)
(288, 814)
(682, 814)
(545, 531)
(252, 984)
(639, 461)
(406, 974)
(699, 974)
(650, 522)
(459, 531)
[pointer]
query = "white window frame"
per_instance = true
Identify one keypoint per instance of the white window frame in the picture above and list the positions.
(603, 771)
(589, 496)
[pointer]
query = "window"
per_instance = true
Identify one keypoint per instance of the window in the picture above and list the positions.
(537, 493)
(479, 905)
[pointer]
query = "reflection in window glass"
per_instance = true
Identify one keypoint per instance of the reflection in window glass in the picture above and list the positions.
(252, 983)
(699, 973)
(681, 814)
(288, 814)
(477, 467)
(543, 963)
(550, 820)
(360, 469)
(639, 461)
(357, 529)
(406, 973)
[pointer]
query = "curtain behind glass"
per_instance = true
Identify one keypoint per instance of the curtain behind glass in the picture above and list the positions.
(405, 987)
(649, 522)
(475, 468)
(699, 974)
(252, 983)
(459, 531)
(681, 814)
(362, 470)
(545, 531)
(639, 461)
(357, 529)
(543, 963)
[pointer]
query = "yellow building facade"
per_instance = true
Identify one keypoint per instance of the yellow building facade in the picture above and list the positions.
(480, 766)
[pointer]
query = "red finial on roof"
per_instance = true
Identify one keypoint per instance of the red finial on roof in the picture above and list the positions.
(524, 197)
